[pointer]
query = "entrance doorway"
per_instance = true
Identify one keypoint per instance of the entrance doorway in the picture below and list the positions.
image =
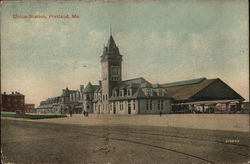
(129, 107)
(114, 111)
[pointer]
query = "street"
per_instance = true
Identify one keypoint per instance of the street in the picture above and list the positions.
(37, 142)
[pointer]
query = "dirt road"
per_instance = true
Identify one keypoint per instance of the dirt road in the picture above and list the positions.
(36, 142)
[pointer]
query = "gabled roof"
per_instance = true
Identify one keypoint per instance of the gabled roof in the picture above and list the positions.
(184, 92)
(89, 88)
(188, 91)
(132, 83)
(97, 88)
(139, 93)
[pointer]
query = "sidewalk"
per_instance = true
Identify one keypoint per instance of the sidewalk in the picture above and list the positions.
(230, 122)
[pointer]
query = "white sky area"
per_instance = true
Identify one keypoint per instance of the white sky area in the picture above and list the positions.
(162, 41)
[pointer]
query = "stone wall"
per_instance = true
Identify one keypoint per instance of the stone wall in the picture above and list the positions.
(143, 106)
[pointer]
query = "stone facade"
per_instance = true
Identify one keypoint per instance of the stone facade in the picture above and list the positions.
(115, 96)
(112, 95)
(70, 100)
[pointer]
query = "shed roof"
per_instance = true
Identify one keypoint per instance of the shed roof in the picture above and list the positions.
(206, 89)
(186, 91)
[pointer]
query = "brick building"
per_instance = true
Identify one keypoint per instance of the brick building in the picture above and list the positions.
(12, 102)
(29, 108)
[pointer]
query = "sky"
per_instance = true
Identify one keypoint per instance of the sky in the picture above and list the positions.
(162, 41)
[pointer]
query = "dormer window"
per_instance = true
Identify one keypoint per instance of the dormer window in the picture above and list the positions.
(160, 92)
(148, 92)
(120, 93)
(129, 92)
(125, 92)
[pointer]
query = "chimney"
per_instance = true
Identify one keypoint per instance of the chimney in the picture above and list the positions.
(4, 93)
(100, 83)
(12, 92)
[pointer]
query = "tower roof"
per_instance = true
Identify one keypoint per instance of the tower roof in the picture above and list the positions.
(111, 48)
(111, 43)
(89, 88)
(66, 92)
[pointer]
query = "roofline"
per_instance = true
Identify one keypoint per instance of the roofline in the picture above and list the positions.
(183, 81)
(140, 97)
(231, 88)
(207, 102)
(217, 79)
(134, 79)
(203, 88)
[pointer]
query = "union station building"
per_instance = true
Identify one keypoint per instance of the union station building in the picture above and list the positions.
(113, 95)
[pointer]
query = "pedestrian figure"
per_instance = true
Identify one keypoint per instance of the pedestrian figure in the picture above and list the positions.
(70, 112)
(87, 113)
(160, 113)
(84, 113)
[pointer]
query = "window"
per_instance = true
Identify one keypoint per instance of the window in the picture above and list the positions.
(160, 92)
(129, 92)
(115, 73)
(134, 105)
(161, 104)
(151, 105)
(125, 92)
(148, 92)
(147, 105)
(106, 97)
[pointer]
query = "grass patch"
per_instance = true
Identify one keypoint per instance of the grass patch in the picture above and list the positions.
(30, 116)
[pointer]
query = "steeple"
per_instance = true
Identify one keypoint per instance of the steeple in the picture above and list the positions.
(111, 49)
(111, 43)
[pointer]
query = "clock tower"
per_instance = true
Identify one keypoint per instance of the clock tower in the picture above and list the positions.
(111, 71)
